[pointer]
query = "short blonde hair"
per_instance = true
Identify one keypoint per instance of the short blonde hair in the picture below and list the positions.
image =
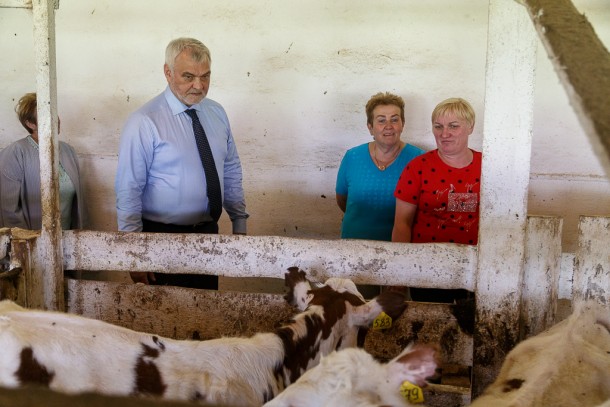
(26, 110)
(380, 99)
(457, 106)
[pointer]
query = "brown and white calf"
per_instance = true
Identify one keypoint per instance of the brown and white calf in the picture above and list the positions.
(73, 354)
(352, 377)
(567, 365)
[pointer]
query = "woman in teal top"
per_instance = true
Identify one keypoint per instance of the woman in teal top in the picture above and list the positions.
(369, 172)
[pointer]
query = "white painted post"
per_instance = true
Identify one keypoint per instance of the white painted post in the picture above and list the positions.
(49, 245)
(509, 95)
(592, 274)
(541, 277)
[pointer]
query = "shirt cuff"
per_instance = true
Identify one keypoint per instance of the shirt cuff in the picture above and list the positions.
(239, 225)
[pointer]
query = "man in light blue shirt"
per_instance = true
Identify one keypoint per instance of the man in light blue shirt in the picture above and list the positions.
(161, 185)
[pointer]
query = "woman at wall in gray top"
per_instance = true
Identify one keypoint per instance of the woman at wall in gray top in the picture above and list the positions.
(20, 178)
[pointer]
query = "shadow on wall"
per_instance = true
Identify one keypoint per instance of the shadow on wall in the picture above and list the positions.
(283, 212)
(272, 213)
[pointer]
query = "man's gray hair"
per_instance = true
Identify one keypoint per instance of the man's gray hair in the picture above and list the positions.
(199, 52)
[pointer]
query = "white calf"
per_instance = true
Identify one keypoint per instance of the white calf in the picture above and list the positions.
(74, 354)
(351, 377)
(567, 365)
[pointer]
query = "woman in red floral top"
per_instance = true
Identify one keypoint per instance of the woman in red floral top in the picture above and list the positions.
(437, 195)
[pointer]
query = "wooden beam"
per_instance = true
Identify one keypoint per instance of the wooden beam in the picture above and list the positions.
(582, 63)
(365, 262)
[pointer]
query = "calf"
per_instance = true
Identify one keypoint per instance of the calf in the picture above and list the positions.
(352, 377)
(567, 365)
(74, 354)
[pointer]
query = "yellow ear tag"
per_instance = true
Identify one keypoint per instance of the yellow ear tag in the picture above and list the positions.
(411, 392)
(383, 321)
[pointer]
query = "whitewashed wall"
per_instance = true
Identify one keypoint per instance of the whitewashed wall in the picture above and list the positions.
(294, 78)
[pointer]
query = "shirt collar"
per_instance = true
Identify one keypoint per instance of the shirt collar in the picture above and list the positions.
(176, 105)
(32, 142)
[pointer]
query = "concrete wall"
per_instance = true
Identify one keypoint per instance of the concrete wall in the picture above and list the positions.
(294, 78)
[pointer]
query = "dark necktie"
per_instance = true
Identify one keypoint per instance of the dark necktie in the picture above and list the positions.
(209, 167)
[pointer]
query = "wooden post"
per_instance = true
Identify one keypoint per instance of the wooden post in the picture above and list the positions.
(21, 287)
(6, 286)
(592, 274)
(541, 278)
(509, 95)
(49, 251)
(5, 240)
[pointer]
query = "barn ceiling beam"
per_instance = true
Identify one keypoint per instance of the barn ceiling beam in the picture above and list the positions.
(582, 63)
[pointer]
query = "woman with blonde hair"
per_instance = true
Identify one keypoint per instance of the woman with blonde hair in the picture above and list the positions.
(437, 195)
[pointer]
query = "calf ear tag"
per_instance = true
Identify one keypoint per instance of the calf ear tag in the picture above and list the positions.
(383, 321)
(411, 392)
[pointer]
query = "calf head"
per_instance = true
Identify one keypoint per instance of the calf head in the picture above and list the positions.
(332, 317)
(352, 377)
(566, 365)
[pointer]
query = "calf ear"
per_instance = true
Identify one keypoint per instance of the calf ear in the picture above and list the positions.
(344, 285)
(392, 303)
(415, 364)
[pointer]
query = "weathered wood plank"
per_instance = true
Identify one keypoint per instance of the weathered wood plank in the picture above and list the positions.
(592, 274)
(541, 278)
(24, 286)
(29, 286)
(5, 242)
(364, 262)
(7, 287)
(566, 277)
(578, 55)
(176, 312)
(17, 288)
